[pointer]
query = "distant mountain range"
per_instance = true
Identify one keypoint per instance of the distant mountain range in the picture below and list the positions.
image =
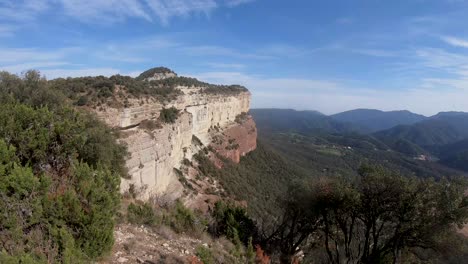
(442, 137)
(376, 120)
(277, 120)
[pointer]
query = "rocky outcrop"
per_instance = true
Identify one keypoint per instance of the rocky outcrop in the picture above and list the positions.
(161, 76)
(156, 153)
(236, 140)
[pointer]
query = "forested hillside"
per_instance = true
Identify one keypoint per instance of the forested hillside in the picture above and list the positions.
(332, 180)
(280, 120)
(376, 120)
(428, 148)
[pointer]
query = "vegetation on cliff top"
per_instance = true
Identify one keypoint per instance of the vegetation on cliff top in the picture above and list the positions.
(117, 90)
(60, 172)
(151, 72)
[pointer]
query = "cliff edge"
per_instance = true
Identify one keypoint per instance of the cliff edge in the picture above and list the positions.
(162, 135)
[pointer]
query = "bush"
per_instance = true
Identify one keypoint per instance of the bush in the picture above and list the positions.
(83, 100)
(234, 223)
(182, 219)
(141, 214)
(59, 176)
(169, 115)
(205, 255)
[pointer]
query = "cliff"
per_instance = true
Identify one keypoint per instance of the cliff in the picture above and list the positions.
(157, 149)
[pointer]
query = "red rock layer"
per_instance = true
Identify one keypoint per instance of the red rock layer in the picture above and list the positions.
(238, 140)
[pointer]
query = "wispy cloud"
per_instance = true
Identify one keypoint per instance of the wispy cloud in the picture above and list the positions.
(111, 11)
(166, 9)
(79, 72)
(104, 10)
(217, 65)
(12, 55)
(457, 42)
(232, 3)
(262, 83)
(22, 10)
(19, 68)
(307, 94)
(375, 52)
(213, 50)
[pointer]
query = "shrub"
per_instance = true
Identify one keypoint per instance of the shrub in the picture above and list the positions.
(205, 255)
(59, 176)
(169, 115)
(141, 214)
(83, 100)
(241, 118)
(233, 222)
(182, 219)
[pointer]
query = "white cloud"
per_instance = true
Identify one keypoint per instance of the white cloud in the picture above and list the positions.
(210, 50)
(111, 11)
(332, 96)
(12, 55)
(19, 68)
(166, 9)
(232, 3)
(457, 42)
(104, 10)
(218, 65)
(266, 84)
(56, 73)
(375, 52)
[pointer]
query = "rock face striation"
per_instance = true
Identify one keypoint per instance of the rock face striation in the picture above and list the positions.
(157, 149)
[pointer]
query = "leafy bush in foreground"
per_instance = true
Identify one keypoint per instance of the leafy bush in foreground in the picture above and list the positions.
(59, 177)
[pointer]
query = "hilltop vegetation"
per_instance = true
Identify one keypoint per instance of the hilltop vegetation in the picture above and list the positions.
(116, 90)
(151, 72)
(60, 172)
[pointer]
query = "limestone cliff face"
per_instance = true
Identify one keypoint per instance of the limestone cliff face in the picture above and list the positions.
(156, 154)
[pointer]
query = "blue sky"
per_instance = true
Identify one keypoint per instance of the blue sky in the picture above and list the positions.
(329, 56)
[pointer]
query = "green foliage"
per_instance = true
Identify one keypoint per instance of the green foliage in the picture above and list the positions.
(76, 214)
(250, 252)
(141, 214)
(232, 222)
(59, 176)
(83, 100)
(183, 219)
(377, 219)
(169, 115)
(260, 178)
(205, 255)
(52, 139)
(95, 91)
(151, 72)
(100, 90)
(31, 89)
